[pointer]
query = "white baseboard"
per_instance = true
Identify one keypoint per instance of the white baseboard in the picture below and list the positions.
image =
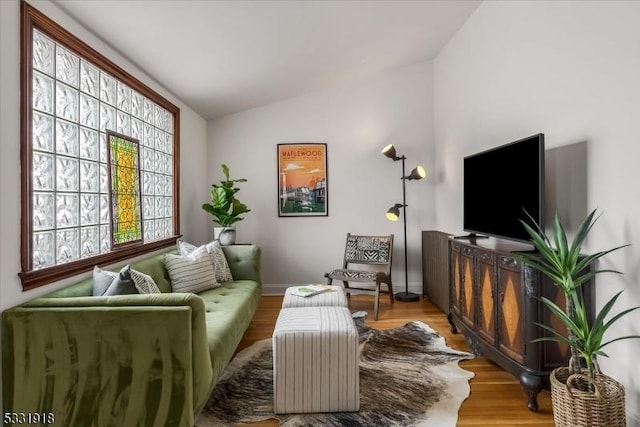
(273, 289)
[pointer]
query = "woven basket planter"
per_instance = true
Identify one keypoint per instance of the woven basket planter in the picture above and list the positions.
(575, 406)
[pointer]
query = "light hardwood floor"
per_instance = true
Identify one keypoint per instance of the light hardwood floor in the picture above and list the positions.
(496, 399)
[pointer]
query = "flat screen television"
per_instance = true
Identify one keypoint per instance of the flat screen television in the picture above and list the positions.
(500, 185)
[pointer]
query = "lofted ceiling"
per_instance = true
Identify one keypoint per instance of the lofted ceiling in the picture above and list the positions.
(221, 57)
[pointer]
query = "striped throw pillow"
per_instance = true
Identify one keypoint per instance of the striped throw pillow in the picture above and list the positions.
(144, 283)
(191, 273)
(219, 260)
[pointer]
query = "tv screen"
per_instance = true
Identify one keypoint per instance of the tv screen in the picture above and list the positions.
(503, 183)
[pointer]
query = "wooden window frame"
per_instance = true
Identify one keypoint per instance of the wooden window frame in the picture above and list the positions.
(31, 18)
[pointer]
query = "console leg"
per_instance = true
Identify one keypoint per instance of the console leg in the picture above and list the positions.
(532, 384)
(454, 329)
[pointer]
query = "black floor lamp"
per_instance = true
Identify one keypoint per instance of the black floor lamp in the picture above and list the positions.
(394, 213)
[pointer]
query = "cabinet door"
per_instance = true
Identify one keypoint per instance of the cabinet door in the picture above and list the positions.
(486, 296)
(467, 286)
(554, 354)
(511, 308)
(455, 302)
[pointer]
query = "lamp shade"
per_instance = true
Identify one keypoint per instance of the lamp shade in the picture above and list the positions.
(417, 173)
(394, 212)
(390, 151)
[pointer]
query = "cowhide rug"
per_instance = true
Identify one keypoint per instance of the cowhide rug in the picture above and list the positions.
(408, 377)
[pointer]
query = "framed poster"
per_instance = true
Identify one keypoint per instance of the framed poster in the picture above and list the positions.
(302, 180)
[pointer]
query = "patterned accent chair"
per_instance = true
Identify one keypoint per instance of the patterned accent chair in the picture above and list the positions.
(373, 251)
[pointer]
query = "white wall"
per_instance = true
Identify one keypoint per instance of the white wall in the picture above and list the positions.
(192, 153)
(570, 70)
(355, 121)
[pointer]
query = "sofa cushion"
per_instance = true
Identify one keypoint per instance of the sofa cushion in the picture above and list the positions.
(229, 310)
(191, 273)
(245, 261)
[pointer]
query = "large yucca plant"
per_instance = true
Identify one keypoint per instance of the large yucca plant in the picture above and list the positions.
(562, 262)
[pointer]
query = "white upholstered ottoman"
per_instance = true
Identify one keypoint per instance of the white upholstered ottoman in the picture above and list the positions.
(315, 361)
(334, 298)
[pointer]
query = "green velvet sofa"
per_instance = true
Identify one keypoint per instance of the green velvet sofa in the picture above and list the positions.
(130, 360)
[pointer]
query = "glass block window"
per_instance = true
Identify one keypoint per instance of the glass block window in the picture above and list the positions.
(74, 98)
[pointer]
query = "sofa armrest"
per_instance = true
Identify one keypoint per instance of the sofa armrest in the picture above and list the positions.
(122, 360)
(245, 262)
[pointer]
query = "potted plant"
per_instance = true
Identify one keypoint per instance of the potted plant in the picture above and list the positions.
(581, 394)
(225, 208)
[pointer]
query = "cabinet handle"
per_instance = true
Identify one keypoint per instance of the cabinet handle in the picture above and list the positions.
(501, 297)
(510, 262)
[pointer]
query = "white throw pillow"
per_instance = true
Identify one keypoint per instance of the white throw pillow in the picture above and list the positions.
(102, 279)
(219, 261)
(191, 273)
(185, 248)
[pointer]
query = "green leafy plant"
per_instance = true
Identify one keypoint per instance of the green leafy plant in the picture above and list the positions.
(225, 208)
(563, 263)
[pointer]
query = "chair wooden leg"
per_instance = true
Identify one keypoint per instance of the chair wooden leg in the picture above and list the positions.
(346, 289)
(376, 301)
(391, 297)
